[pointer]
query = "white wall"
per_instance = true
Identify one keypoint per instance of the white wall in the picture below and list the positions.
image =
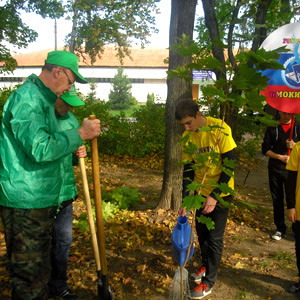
(154, 80)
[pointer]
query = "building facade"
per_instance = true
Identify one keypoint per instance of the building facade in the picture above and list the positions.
(146, 69)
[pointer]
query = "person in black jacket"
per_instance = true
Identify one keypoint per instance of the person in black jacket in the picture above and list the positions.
(275, 145)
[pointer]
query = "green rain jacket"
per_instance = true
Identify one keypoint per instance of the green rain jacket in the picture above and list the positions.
(31, 148)
(68, 189)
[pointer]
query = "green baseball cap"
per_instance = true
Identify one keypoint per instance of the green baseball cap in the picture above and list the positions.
(68, 60)
(71, 97)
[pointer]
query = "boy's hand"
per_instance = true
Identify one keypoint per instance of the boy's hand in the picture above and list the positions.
(290, 144)
(81, 151)
(284, 158)
(209, 205)
(291, 214)
(182, 211)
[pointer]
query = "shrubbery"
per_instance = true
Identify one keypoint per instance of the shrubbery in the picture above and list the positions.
(123, 136)
(120, 198)
(4, 94)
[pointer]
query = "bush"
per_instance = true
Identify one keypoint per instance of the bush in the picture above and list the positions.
(4, 94)
(108, 210)
(98, 108)
(122, 197)
(138, 138)
(150, 129)
(150, 99)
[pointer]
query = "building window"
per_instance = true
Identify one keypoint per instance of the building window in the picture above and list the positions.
(12, 79)
(90, 80)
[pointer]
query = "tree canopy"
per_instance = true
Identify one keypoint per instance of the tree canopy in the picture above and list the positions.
(118, 22)
(14, 31)
(95, 24)
(226, 33)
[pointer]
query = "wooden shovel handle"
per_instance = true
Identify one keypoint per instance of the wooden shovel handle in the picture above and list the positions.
(98, 203)
(89, 210)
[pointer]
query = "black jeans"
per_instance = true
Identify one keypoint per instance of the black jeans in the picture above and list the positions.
(277, 183)
(61, 242)
(296, 230)
(211, 241)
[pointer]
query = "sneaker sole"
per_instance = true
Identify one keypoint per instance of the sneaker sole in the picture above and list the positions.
(198, 280)
(200, 297)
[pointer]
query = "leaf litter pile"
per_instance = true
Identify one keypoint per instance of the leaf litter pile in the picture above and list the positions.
(139, 247)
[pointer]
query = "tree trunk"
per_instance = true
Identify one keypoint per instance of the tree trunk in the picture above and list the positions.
(260, 19)
(73, 32)
(211, 23)
(182, 21)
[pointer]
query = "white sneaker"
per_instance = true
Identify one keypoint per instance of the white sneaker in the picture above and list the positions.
(277, 236)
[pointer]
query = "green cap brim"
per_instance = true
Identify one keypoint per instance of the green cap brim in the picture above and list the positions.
(79, 78)
(71, 97)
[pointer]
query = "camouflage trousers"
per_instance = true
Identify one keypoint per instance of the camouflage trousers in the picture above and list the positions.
(28, 241)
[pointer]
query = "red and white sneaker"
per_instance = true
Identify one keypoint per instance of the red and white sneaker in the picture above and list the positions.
(197, 277)
(200, 291)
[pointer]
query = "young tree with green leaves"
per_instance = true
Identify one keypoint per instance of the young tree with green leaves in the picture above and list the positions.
(226, 25)
(208, 184)
(120, 96)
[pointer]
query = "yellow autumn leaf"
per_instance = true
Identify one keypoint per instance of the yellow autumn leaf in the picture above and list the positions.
(239, 265)
(236, 255)
(160, 290)
(141, 268)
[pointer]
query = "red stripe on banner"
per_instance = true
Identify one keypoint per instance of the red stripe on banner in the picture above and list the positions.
(283, 98)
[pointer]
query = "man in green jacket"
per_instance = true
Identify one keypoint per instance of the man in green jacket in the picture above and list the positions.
(62, 233)
(31, 150)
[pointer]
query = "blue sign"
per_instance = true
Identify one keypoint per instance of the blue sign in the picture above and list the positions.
(202, 74)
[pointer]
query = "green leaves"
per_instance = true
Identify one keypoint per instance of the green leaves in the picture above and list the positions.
(210, 224)
(229, 163)
(191, 201)
(181, 72)
(190, 148)
(194, 186)
(262, 59)
(225, 189)
(117, 22)
(15, 32)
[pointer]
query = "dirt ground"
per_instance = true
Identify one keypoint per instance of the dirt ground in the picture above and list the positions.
(139, 247)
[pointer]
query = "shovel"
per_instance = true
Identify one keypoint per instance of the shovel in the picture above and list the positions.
(104, 291)
(89, 210)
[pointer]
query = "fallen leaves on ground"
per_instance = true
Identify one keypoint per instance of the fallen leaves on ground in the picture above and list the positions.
(138, 242)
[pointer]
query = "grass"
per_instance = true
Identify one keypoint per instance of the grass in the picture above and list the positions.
(281, 255)
(238, 238)
(284, 259)
(128, 112)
